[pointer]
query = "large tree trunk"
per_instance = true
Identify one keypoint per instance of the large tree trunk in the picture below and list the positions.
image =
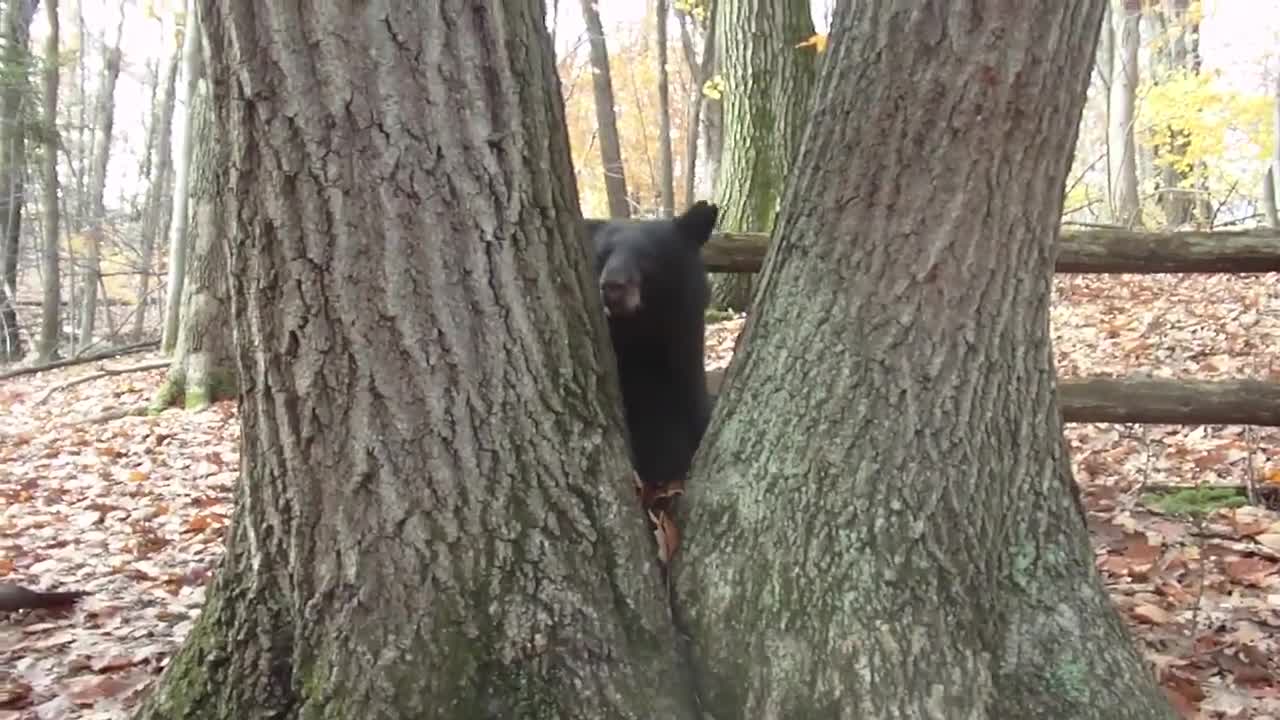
(1122, 157)
(178, 240)
(436, 517)
(666, 181)
(51, 312)
(104, 121)
(882, 510)
(615, 177)
(162, 170)
(768, 82)
(203, 369)
(13, 164)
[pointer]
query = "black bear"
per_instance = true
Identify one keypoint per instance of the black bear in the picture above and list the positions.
(653, 286)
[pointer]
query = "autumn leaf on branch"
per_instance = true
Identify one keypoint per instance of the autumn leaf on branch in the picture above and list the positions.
(817, 41)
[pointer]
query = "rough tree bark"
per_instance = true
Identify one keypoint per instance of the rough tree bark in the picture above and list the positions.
(103, 123)
(51, 312)
(666, 181)
(615, 176)
(1122, 157)
(178, 242)
(436, 517)
(768, 83)
(883, 509)
(203, 369)
(162, 170)
(16, 64)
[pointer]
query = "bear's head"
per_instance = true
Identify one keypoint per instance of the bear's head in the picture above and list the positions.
(641, 264)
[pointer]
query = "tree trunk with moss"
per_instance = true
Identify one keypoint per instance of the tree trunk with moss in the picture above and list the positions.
(883, 511)
(767, 86)
(436, 517)
(203, 369)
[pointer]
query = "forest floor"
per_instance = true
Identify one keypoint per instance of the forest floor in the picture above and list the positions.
(133, 508)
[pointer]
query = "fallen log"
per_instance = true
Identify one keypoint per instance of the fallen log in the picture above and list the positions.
(104, 372)
(83, 359)
(1082, 250)
(1152, 401)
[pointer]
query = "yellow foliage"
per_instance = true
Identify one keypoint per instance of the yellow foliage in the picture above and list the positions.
(1219, 124)
(714, 87)
(818, 42)
(634, 71)
(697, 9)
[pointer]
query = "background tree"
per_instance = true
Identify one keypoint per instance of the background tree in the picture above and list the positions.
(1175, 56)
(700, 67)
(666, 181)
(1271, 187)
(16, 89)
(192, 71)
(405, 473)
(767, 84)
(1121, 149)
(615, 178)
(51, 312)
(104, 119)
(156, 211)
(203, 366)
(885, 475)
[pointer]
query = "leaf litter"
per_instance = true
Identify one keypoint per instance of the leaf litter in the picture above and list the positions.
(133, 508)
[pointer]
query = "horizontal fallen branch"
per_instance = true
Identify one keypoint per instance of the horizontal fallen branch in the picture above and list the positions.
(1151, 401)
(82, 360)
(104, 372)
(1083, 250)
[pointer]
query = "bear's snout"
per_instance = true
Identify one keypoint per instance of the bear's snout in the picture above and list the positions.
(620, 296)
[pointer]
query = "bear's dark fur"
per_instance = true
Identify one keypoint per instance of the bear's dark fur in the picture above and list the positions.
(653, 285)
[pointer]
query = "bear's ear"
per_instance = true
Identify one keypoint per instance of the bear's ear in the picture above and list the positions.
(696, 224)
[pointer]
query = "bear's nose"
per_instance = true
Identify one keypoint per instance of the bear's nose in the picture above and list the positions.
(614, 291)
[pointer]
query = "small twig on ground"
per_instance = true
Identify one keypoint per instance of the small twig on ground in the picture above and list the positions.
(112, 414)
(105, 372)
(104, 355)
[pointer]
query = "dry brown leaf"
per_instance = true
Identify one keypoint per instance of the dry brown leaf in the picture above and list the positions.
(1151, 613)
(1250, 570)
